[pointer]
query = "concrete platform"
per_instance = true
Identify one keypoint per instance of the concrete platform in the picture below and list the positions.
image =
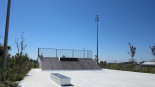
(90, 78)
(68, 64)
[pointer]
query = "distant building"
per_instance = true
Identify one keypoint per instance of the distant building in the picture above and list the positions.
(129, 62)
(148, 64)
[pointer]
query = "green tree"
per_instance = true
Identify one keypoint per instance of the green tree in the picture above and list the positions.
(1, 50)
(132, 52)
(101, 64)
(114, 66)
(153, 50)
(63, 56)
(105, 64)
(21, 46)
(17, 66)
(95, 59)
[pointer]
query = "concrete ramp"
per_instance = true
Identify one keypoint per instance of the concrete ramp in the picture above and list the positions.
(51, 64)
(93, 64)
(84, 63)
(68, 64)
(76, 66)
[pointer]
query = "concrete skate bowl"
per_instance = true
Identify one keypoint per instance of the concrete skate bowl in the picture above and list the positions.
(55, 63)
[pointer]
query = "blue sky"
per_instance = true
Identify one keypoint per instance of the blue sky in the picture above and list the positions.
(69, 24)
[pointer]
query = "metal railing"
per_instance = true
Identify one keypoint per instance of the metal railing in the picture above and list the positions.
(69, 53)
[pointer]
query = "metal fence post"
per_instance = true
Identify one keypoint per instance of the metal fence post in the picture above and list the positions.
(56, 52)
(83, 52)
(87, 53)
(72, 53)
(38, 52)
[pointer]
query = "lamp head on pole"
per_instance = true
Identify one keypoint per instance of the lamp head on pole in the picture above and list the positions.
(97, 18)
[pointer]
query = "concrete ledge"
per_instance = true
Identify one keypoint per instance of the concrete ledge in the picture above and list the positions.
(61, 79)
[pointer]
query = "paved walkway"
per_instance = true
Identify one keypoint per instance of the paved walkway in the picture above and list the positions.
(90, 78)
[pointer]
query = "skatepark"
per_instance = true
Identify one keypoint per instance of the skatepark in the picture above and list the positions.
(66, 59)
(81, 72)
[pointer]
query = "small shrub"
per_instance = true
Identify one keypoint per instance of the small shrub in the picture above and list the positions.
(2, 85)
(114, 66)
(19, 77)
(10, 84)
(17, 68)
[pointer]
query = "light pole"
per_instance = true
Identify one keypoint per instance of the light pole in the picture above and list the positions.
(6, 35)
(97, 19)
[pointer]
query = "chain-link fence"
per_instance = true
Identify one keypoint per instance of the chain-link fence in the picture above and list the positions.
(69, 53)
